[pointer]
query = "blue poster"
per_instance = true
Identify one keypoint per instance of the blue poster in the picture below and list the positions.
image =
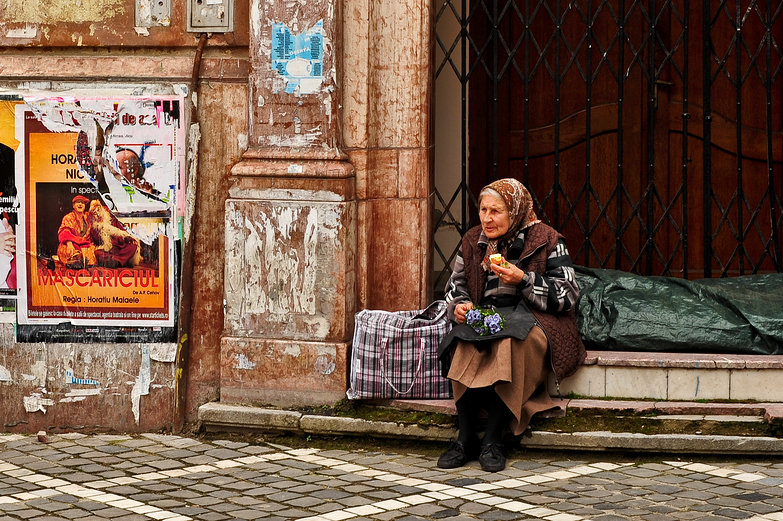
(298, 58)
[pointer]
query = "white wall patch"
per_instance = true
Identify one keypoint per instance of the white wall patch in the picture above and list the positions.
(244, 362)
(28, 32)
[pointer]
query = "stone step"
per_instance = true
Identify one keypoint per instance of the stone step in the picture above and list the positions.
(769, 411)
(220, 417)
(751, 411)
(667, 402)
(662, 384)
(676, 377)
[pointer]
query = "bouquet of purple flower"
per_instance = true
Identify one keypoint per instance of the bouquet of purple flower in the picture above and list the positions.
(485, 321)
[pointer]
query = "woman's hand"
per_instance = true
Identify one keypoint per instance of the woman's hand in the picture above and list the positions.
(8, 243)
(460, 310)
(510, 275)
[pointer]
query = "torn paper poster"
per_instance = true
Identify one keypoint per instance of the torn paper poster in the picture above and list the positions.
(9, 202)
(98, 182)
(142, 385)
(299, 58)
(35, 403)
(163, 352)
(77, 395)
(129, 149)
(70, 379)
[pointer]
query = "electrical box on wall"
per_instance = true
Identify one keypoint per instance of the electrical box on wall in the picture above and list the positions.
(211, 16)
(152, 13)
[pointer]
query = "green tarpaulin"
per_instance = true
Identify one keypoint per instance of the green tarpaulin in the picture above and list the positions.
(625, 312)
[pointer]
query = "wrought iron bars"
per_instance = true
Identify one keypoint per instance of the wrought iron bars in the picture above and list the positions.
(649, 48)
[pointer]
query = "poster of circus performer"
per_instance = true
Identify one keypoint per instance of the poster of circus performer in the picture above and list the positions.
(98, 183)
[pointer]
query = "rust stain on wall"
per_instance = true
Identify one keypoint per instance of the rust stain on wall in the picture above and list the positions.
(52, 11)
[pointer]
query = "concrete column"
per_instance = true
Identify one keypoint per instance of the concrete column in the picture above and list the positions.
(290, 217)
(329, 209)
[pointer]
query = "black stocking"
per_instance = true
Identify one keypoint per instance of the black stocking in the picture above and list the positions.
(467, 416)
(497, 416)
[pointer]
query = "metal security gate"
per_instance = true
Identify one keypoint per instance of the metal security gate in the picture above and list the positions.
(650, 132)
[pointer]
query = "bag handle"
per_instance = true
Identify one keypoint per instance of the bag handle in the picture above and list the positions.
(384, 354)
(436, 304)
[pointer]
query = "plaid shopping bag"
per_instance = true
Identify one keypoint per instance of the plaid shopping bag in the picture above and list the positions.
(394, 354)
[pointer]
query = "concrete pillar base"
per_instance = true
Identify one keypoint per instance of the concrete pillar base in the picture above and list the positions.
(290, 280)
(284, 373)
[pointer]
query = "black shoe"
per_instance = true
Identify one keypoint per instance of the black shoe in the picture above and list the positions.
(492, 458)
(458, 454)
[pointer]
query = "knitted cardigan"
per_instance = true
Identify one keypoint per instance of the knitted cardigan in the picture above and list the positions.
(566, 350)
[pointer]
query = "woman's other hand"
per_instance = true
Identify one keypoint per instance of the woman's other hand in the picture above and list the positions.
(460, 310)
(510, 275)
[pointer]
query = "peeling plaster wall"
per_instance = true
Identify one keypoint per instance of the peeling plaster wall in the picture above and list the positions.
(283, 279)
(48, 11)
(387, 133)
(107, 23)
(86, 386)
(290, 283)
(289, 110)
(63, 387)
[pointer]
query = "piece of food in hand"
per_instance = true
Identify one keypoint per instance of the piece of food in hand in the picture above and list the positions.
(498, 259)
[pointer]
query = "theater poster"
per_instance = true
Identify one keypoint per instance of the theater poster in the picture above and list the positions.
(98, 181)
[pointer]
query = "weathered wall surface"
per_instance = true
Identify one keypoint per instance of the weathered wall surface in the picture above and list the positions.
(65, 387)
(387, 135)
(290, 286)
(58, 46)
(326, 212)
(106, 23)
(223, 119)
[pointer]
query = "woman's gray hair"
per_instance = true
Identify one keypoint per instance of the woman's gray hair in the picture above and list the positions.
(490, 191)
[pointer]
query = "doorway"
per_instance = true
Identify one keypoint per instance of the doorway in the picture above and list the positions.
(650, 133)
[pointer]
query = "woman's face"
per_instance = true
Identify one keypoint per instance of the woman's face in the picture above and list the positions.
(493, 213)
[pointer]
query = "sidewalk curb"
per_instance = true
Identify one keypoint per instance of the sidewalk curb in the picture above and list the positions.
(674, 443)
(217, 417)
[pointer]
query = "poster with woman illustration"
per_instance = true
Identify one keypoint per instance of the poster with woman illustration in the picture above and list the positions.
(9, 206)
(98, 185)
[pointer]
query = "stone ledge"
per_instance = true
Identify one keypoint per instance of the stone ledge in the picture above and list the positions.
(218, 416)
(769, 411)
(671, 408)
(172, 68)
(331, 425)
(683, 360)
(226, 415)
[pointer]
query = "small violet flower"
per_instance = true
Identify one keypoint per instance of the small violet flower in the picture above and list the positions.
(472, 316)
(485, 321)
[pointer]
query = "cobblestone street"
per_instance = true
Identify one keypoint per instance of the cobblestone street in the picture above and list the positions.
(163, 477)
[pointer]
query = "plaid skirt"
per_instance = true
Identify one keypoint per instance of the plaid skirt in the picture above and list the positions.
(518, 369)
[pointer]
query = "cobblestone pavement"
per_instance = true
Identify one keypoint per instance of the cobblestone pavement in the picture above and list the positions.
(173, 478)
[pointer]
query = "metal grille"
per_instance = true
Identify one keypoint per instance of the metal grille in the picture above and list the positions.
(664, 151)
